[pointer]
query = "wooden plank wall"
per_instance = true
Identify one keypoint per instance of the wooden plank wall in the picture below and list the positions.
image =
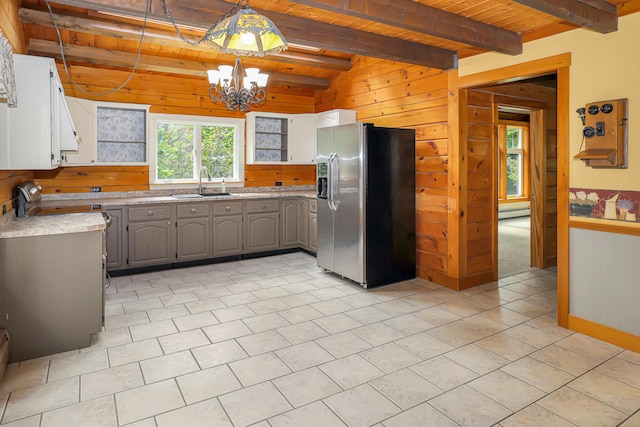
(11, 26)
(169, 94)
(481, 198)
(400, 95)
(12, 30)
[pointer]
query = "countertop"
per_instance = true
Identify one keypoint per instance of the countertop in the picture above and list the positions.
(52, 224)
(75, 223)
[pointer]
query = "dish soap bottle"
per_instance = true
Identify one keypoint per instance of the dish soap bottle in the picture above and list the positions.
(223, 187)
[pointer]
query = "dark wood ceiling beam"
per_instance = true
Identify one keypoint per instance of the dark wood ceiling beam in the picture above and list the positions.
(597, 15)
(165, 38)
(114, 58)
(297, 30)
(427, 20)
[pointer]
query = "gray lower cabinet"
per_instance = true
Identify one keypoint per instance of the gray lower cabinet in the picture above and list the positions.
(313, 225)
(51, 292)
(151, 242)
(227, 235)
(193, 232)
(262, 232)
(295, 223)
(262, 226)
(313, 232)
(227, 228)
(193, 239)
(142, 236)
(115, 242)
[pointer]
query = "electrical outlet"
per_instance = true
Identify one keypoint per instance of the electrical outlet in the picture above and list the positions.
(96, 189)
(278, 183)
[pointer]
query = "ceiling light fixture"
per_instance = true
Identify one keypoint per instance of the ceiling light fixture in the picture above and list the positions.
(236, 90)
(246, 33)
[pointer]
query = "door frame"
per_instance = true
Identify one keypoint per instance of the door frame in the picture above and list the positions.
(558, 64)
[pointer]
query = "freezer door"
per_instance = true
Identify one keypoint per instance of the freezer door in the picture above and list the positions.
(325, 255)
(349, 178)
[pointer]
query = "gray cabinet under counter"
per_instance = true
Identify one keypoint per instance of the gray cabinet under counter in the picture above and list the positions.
(51, 292)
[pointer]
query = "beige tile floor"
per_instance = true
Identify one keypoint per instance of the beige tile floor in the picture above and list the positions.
(275, 342)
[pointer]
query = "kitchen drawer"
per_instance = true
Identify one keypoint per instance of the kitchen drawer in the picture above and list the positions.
(193, 210)
(313, 206)
(257, 206)
(146, 213)
(227, 208)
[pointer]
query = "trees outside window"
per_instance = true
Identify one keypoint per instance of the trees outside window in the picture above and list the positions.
(182, 144)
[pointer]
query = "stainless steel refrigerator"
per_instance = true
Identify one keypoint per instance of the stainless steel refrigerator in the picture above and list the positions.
(366, 203)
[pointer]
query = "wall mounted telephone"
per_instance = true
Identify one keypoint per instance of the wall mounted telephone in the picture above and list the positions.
(604, 134)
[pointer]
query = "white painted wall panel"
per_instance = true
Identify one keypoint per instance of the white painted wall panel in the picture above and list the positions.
(605, 278)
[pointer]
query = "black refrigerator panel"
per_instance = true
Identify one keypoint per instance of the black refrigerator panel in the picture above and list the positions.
(390, 205)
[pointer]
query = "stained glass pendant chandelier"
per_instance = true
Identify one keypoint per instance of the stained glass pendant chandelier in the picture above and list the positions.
(242, 32)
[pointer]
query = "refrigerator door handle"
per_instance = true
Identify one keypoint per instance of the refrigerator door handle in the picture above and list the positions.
(330, 183)
(335, 174)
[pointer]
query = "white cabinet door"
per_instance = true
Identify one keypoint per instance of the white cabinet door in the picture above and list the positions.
(30, 139)
(302, 138)
(68, 135)
(335, 118)
(83, 113)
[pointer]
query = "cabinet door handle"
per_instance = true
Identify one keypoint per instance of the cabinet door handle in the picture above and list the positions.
(227, 208)
(193, 210)
(149, 213)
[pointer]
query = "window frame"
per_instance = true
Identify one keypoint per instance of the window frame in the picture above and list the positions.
(503, 153)
(155, 118)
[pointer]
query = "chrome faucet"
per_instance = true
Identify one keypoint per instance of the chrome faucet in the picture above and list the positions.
(200, 177)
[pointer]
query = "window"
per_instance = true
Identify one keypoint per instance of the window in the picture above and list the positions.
(181, 144)
(514, 160)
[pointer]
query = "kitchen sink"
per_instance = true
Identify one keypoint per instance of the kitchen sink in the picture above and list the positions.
(198, 196)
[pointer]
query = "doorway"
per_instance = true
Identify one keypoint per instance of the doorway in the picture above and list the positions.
(525, 148)
(514, 191)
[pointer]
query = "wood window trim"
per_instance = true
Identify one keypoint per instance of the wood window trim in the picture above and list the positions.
(526, 163)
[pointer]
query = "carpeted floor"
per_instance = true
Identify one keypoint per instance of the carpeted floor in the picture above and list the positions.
(513, 246)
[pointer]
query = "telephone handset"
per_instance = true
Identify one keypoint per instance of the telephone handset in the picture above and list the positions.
(588, 131)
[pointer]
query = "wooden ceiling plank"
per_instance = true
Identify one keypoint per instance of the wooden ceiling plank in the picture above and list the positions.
(132, 32)
(427, 20)
(297, 30)
(597, 15)
(116, 58)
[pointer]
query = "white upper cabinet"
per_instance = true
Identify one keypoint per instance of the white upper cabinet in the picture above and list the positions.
(110, 133)
(274, 138)
(33, 134)
(335, 118)
(302, 132)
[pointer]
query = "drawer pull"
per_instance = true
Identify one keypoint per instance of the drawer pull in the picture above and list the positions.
(193, 210)
(263, 206)
(149, 213)
(227, 208)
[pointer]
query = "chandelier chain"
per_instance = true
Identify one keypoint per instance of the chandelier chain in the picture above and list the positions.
(203, 39)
